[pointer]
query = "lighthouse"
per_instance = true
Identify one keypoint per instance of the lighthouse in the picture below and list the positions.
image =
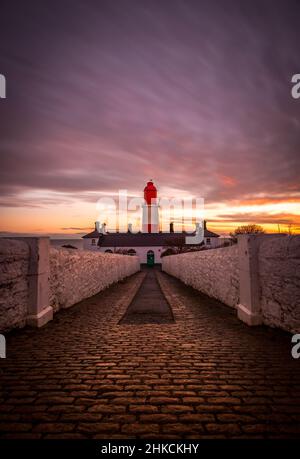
(150, 222)
(150, 244)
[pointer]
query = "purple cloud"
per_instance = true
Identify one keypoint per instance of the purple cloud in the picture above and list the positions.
(101, 96)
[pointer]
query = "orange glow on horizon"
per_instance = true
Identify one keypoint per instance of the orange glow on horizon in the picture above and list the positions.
(77, 217)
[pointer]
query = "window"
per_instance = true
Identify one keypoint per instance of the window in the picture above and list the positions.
(131, 252)
(208, 240)
(93, 241)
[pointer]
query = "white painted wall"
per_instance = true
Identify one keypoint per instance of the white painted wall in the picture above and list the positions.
(89, 245)
(140, 251)
(212, 242)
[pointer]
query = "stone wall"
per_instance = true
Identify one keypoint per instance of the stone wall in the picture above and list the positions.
(260, 277)
(279, 273)
(214, 272)
(75, 275)
(30, 292)
(14, 263)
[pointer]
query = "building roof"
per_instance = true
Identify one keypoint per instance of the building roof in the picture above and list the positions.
(93, 235)
(146, 239)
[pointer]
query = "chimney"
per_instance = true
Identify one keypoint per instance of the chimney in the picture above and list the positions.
(204, 224)
(129, 227)
(171, 227)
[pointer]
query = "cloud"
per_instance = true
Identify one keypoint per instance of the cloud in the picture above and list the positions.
(280, 218)
(195, 96)
(76, 229)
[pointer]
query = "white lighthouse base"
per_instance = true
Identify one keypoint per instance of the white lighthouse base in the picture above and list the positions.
(150, 216)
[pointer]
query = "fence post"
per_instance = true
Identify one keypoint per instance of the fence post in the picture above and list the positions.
(39, 312)
(248, 309)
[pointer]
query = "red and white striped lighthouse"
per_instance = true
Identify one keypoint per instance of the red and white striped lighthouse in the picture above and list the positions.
(150, 222)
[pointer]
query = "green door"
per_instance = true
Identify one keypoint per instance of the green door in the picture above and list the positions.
(150, 258)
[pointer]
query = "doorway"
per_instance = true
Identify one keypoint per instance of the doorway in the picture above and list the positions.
(150, 258)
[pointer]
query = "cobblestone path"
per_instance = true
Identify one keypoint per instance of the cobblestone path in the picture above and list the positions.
(206, 375)
(149, 304)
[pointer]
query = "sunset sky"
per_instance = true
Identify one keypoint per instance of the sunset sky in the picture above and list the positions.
(104, 95)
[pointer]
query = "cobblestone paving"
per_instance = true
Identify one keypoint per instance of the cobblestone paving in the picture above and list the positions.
(149, 304)
(206, 375)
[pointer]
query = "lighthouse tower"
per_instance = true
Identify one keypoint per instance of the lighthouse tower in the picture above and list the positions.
(150, 223)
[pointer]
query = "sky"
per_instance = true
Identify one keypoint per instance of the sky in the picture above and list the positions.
(104, 95)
